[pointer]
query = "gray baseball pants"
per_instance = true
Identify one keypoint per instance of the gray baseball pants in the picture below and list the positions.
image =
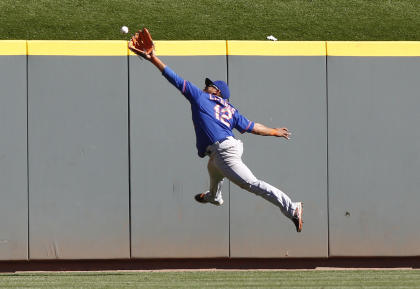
(226, 161)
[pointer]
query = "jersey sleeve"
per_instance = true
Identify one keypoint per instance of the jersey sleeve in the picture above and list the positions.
(189, 90)
(242, 124)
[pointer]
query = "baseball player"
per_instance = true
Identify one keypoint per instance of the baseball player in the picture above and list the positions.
(214, 117)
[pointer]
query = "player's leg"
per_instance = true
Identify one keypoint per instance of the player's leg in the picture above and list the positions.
(228, 160)
(214, 195)
(216, 181)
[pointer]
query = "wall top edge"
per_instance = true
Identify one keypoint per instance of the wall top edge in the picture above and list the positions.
(13, 47)
(78, 47)
(214, 47)
(373, 48)
(276, 48)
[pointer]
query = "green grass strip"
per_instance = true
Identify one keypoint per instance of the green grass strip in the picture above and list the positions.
(212, 19)
(394, 279)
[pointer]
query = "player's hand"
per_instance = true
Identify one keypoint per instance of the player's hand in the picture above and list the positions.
(142, 44)
(281, 132)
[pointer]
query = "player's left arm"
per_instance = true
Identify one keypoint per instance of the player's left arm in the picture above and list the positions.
(142, 44)
(260, 129)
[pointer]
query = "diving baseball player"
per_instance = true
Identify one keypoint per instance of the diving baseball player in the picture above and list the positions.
(214, 118)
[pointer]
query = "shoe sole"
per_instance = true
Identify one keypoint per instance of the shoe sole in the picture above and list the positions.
(200, 198)
(300, 213)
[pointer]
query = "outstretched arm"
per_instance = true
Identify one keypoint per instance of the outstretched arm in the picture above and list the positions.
(142, 45)
(261, 129)
(157, 62)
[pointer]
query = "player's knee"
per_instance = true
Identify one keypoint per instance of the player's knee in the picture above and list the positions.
(249, 185)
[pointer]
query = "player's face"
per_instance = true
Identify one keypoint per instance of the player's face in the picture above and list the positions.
(212, 90)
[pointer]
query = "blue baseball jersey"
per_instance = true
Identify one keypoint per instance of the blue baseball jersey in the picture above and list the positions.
(213, 117)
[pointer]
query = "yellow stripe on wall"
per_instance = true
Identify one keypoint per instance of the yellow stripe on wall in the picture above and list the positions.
(78, 47)
(214, 47)
(277, 48)
(373, 48)
(189, 48)
(12, 47)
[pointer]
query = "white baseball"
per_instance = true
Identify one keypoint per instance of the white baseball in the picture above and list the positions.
(124, 30)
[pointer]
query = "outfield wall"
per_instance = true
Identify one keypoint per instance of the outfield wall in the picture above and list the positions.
(285, 87)
(374, 149)
(98, 157)
(13, 151)
(78, 153)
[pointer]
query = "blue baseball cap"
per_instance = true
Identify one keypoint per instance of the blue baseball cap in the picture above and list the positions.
(220, 85)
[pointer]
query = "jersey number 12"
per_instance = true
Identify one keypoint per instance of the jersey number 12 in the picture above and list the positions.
(223, 114)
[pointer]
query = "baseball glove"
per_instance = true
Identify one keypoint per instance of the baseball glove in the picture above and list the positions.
(142, 44)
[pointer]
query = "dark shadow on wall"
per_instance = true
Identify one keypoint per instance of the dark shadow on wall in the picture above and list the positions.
(212, 264)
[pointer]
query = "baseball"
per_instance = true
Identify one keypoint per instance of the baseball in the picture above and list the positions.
(124, 30)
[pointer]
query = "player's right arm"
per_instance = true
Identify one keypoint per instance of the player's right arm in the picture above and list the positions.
(261, 129)
(242, 124)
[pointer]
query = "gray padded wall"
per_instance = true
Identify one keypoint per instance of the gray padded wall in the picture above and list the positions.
(78, 157)
(80, 152)
(13, 161)
(165, 170)
(281, 91)
(374, 155)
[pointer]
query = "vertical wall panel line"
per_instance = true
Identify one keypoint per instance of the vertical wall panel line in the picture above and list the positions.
(328, 178)
(129, 154)
(27, 144)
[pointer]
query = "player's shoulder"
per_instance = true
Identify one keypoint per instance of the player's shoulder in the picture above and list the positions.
(192, 89)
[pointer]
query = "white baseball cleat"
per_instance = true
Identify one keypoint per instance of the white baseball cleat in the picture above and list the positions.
(297, 217)
(205, 198)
